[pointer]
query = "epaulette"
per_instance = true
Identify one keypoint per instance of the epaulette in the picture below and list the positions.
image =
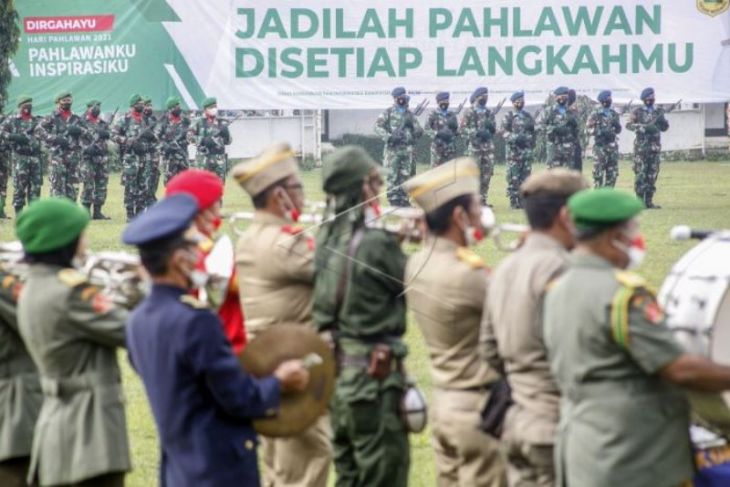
(630, 279)
(621, 304)
(71, 277)
(470, 258)
(193, 302)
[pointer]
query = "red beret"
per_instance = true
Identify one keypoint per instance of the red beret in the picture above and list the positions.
(204, 186)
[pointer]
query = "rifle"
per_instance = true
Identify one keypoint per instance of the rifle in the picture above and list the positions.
(626, 108)
(461, 106)
(421, 107)
(111, 120)
(673, 107)
(229, 121)
(499, 107)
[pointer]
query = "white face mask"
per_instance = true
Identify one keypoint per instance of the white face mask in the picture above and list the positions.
(212, 112)
(198, 278)
(635, 251)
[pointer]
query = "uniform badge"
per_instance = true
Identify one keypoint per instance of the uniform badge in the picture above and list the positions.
(712, 7)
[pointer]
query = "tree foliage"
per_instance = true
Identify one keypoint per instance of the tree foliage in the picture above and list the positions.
(9, 38)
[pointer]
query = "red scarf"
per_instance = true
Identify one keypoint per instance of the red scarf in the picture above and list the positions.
(64, 114)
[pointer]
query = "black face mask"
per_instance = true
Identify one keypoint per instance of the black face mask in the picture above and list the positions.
(65, 106)
(401, 102)
(607, 103)
(176, 111)
(518, 104)
(562, 101)
(482, 101)
(138, 108)
(95, 111)
(27, 109)
(444, 106)
(649, 102)
(147, 111)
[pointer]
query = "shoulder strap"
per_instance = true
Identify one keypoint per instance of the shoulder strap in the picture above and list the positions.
(342, 283)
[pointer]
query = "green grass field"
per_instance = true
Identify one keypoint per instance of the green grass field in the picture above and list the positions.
(697, 194)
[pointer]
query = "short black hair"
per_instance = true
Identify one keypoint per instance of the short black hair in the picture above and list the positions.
(259, 201)
(155, 255)
(543, 208)
(62, 257)
(591, 233)
(439, 220)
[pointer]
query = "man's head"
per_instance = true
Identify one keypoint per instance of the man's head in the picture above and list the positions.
(545, 196)
(166, 240)
(210, 107)
(442, 100)
(604, 98)
(25, 104)
(606, 225)
(272, 181)
(351, 176)
(64, 100)
(173, 106)
(561, 95)
(400, 97)
(207, 189)
(449, 196)
(93, 108)
(647, 96)
(136, 103)
(518, 99)
(52, 231)
(147, 107)
(480, 96)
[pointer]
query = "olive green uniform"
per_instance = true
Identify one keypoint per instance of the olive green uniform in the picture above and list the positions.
(72, 332)
(621, 424)
(20, 389)
(448, 312)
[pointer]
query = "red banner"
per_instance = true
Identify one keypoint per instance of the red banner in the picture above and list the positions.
(57, 25)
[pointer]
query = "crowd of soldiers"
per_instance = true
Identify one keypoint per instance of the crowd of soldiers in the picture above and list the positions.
(558, 121)
(78, 149)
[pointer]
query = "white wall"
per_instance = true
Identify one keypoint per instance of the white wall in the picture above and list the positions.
(250, 135)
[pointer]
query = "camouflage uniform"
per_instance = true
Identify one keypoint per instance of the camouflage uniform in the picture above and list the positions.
(647, 123)
(4, 172)
(604, 124)
(211, 136)
(479, 126)
(63, 136)
(399, 129)
(95, 164)
(26, 160)
(151, 165)
(519, 134)
(128, 133)
(443, 127)
(561, 130)
(172, 134)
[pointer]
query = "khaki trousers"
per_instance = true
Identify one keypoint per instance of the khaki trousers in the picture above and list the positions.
(465, 455)
(529, 465)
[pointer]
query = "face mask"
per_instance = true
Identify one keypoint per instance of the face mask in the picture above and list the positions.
(635, 251)
(138, 108)
(197, 277)
(294, 215)
(372, 212)
(65, 107)
(26, 110)
(401, 102)
(95, 111)
(482, 102)
(518, 105)
(176, 112)
(562, 101)
(607, 104)
(649, 102)
(212, 112)
(217, 222)
(444, 106)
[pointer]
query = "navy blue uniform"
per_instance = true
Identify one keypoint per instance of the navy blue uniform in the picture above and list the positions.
(201, 399)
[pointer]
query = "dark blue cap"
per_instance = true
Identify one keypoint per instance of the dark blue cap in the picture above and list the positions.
(646, 93)
(517, 95)
(442, 95)
(604, 95)
(398, 91)
(482, 90)
(167, 218)
(561, 90)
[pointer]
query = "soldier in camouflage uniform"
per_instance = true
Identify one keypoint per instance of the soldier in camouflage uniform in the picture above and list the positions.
(561, 129)
(95, 162)
(399, 129)
(647, 122)
(604, 124)
(5, 166)
(443, 127)
(171, 132)
(18, 132)
(518, 128)
(479, 126)
(62, 131)
(211, 136)
(151, 171)
(131, 133)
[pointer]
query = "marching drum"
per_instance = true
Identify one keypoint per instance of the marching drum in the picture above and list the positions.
(696, 298)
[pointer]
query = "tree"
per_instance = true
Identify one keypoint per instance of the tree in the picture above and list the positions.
(9, 37)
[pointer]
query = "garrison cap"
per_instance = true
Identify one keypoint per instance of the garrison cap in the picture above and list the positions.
(602, 208)
(646, 93)
(604, 95)
(62, 95)
(553, 182)
(482, 90)
(209, 102)
(23, 99)
(50, 223)
(165, 219)
(517, 95)
(134, 99)
(398, 91)
(561, 90)
(346, 168)
(442, 95)
(273, 164)
(438, 186)
(204, 186)
(172, 102)
(91, 103)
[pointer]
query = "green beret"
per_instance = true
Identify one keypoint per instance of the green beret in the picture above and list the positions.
(23, 99)
(49, 224)
(134, 99)
(344, 168)
(209, 102)
(147, 100)
(604, 207)
(91, 103)
(172, 102)
(62, 95)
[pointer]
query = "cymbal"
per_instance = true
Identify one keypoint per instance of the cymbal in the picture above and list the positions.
(299, 410)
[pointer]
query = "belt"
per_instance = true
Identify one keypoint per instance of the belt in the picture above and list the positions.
(363, 362)
(66, 386)
(481, 388)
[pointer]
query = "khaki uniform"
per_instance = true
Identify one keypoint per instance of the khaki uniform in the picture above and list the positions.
(72, 332)
(20, 389)
(513, 342)
(448, 313)
(276, 271)
(621, 424)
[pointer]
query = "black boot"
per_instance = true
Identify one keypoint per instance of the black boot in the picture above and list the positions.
(650, 204)
(98, 215)
(18, 209)
(88, 209)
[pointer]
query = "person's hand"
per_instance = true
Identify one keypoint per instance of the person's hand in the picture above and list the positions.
(292, 375)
